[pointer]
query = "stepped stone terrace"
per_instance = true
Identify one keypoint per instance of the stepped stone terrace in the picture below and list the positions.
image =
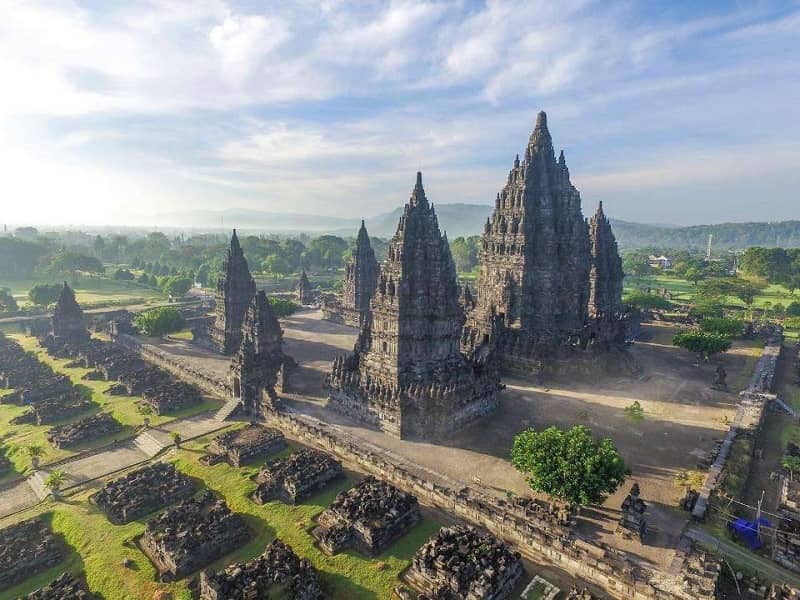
(79, 432)
(191, 535)
(142, 492)
(277, 573)
(65, 587)
(368, 517)
(241, 445)
(27, 548)
(296, 477)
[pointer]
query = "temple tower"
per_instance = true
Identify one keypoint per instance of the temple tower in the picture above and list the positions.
(535, 257)
(68, 323)
(407, 374)
(361, 274)
(235, 290)
(305, 293)
(605, 276)
(255, 367)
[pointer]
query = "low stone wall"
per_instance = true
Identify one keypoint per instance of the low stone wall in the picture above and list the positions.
(175, 366)
(749, 416)
(539, 535)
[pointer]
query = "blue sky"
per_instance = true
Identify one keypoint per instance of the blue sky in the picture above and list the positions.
(670, 112)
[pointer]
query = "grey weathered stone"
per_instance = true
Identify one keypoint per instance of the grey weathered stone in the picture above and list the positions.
(407, 374)
(305, 293)
(235, 289)
(360, 280)
(27, 548)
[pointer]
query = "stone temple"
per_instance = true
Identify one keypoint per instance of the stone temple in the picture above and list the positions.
(68, 323)
(544, 271)
(256, 368)
(360, 280)
(235, 289)
(407, 375)
(305, 293)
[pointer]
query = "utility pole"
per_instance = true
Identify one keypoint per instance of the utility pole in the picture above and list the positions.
(758, 516)
(708, 247)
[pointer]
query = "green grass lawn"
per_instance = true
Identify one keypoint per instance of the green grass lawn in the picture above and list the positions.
(123, 409)
(88, 290)
(98, 548)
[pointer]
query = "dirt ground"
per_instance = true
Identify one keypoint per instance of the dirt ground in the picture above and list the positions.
(682, 418)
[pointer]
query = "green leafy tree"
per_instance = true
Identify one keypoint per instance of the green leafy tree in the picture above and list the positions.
(7, 301)
(635, 412)
(646, 301)
(728, 327)
(176, 286)
(282, 308)
(694, 275)
(124, 275)
(73, 262)
(704, 343)
(276, 265)
(570, 465)
(793, 309)
(160, 321)
(465, 254)
(43, 294)
(634, 262)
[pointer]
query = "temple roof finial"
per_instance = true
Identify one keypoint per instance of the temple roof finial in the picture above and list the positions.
(418, 195)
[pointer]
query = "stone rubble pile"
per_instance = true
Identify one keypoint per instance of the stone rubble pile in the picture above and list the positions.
(142, 492)
(296, 477)
(73, 434)
(26, 548)
(65, 587)
(189, 536)
(278, 572)
(461, 563)
(368, 517)
(244, 444)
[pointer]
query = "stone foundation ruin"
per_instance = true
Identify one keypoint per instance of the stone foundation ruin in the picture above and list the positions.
(244, 444)
(461, 563)
(277, 573)
(296, 477)
(27, 548)
(142, 492)
(79, 432)
(65, 587)
(191, 535)
(368, 517)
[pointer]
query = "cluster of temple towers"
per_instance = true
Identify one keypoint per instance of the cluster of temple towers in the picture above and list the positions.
(428, 354)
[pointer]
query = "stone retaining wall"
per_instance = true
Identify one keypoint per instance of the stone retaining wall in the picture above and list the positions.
(749, 416)
(536, 535)
(175, 366)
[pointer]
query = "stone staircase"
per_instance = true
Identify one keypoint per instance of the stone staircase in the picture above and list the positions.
(228, 409)
(785, 407)
(36, 481)
(148, 443)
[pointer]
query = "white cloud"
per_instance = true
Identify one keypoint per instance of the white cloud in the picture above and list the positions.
(244, 41)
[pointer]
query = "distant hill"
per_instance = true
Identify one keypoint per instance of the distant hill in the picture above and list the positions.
(468, 219)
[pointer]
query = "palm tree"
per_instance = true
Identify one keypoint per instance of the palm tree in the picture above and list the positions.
(35, 451)
(55, 481)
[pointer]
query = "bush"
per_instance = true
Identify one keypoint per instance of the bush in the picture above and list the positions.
(176, 286)
(160, 321)
(703, 342)
(793, 310)
(793, 323)
(43, 294)
(730, 327)
(124, 275)
(647, 301)
(281, 307)
(7, 301)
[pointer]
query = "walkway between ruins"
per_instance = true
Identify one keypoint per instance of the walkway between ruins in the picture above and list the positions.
(106, 461)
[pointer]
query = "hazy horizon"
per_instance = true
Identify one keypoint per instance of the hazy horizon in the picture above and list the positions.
(675, 113)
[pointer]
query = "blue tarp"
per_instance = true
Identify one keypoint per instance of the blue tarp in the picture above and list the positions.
(747, 531)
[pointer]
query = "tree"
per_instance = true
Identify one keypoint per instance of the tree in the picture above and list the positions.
(704, 343)
(73, 262)
(276, 265)
(793, 309)
(570, 465)
(693, 275)
(281, 307)
(35, 452)
(465, 254)
(160, 321)
(55, 481)
(634, 262)
(176, 438)
(43, 294)
(7, 301)
(176, 286)
(728, 327)
(326, 252)
(746, 291)
(123, 275)
(647, 301)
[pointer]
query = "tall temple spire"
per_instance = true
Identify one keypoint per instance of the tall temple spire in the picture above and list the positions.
(540, 140)
(418, 194)
(68, 324)
(235, 289)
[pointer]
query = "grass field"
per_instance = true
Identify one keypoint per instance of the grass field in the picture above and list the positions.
(123, 409)
(98, 548)
(89, 291)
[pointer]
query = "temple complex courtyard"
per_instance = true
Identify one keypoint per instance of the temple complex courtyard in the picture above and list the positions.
(682, 418)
